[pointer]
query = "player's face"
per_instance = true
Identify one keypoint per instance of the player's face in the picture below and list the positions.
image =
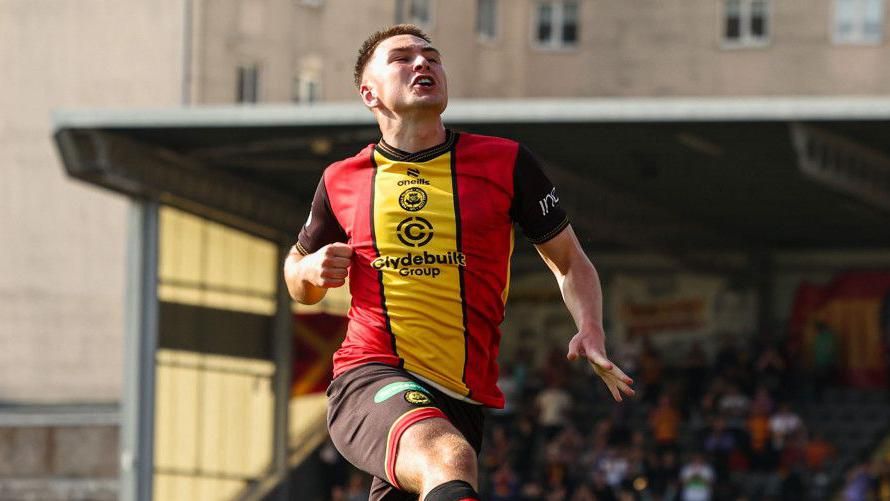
(405, 74)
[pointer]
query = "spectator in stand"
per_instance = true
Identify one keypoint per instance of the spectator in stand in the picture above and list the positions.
(509, 386)
(720, 443)
(794, 453)
(709, 407)
(697, 479)
(792, 487)
(770, 368)
(584, 493)
(697, 371)
(818, 452)
(638, 464)
(553, 405)
(358, 487)
(664, 422)
(824, 358)
(762, 456)
(615, 465)
(762, 402)
(523, 366)
(651, 371)
(783, 424)
(505, 484)
(523, 438)
(557, 482)
(602, 491)
(859, 484)
(335, 469)
(734, 406)
(497, 450)
(566, 447)
(664, 476)
(881, 472)
(727, 356)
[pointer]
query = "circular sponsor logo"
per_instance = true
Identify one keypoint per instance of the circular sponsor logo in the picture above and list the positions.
(417, 398)
(415, 231)
(412, 199)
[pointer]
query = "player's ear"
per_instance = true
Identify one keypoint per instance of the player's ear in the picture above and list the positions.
(369, 97)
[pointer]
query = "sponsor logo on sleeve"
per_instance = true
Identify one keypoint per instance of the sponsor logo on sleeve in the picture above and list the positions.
(549, 202)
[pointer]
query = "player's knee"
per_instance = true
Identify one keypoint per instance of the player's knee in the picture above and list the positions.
(455, 457)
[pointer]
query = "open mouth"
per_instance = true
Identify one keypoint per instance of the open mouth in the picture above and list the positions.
(424, 82)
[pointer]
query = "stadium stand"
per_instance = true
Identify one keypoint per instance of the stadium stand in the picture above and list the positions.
(756, 429)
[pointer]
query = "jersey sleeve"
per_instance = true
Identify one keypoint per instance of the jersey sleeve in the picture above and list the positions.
(321, 227)
(535, 203)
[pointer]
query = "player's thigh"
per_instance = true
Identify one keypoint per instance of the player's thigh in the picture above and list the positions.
(369, 409)
(432, 452)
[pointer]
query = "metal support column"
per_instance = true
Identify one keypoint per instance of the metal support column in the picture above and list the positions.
(282, 346)
(140, 344)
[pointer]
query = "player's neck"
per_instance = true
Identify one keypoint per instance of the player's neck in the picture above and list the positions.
(413, 135)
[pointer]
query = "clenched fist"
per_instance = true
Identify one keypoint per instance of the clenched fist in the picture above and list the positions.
(328, 267)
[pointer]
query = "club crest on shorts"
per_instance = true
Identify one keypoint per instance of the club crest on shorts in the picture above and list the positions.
(417, 398)
(399, 386)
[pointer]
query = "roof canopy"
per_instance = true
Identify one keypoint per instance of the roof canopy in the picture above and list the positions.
(669, 175)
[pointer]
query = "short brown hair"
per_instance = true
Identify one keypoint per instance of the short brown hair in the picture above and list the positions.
(367, 48)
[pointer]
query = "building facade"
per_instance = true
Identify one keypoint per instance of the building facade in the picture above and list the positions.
(299, 51)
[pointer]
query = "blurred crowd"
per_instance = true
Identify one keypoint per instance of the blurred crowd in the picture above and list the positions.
(721, 427)
(718, 427)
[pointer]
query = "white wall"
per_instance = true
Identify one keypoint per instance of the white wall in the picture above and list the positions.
(62, 242)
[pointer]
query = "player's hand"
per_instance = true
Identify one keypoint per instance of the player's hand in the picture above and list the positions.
(590, 345)
(330, 265)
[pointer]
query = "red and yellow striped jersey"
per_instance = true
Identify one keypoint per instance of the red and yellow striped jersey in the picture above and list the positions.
(432, 234)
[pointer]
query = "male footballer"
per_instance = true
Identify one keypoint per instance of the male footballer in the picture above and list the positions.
(422, 223)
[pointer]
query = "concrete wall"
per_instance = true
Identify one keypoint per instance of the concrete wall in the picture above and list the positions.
(62, 257)
(52, 463)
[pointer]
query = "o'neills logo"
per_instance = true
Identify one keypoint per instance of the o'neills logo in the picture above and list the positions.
(412, 182)
(420, 264)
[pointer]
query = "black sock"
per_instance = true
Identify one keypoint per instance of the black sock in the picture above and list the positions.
(454, 490)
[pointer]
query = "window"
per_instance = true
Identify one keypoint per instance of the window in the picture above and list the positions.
(305, 90)
(746, 22)
(556, 24)
(418, 12)
(248, 84)
(486, 19)
(858, 21)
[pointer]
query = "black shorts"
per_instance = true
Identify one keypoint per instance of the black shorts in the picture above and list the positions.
(369, 408)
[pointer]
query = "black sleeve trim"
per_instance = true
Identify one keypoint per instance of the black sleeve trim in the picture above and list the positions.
(550, 234)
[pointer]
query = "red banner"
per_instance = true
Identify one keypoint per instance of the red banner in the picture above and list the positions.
(316, 338)
(851, 306)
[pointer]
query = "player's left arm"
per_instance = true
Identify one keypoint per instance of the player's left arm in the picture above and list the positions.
(582, 293)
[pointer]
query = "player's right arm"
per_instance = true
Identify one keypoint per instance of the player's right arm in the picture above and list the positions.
(320, 259)
(308, 277)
